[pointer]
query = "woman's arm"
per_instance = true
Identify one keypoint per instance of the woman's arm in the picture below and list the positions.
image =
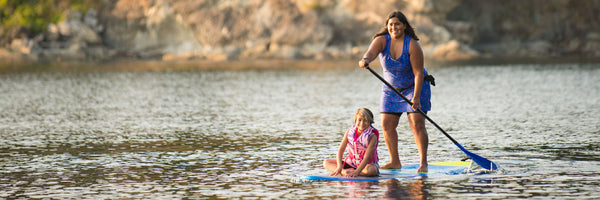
(416, 60)
(375, 48)
(372, 146)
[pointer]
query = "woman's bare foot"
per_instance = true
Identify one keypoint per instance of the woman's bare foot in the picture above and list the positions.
(391, 166)
(422, 169)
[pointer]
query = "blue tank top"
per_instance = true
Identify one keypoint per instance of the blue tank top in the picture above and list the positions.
(398, 72)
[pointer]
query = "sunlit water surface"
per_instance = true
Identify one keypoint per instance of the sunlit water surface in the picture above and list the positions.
(249, 133)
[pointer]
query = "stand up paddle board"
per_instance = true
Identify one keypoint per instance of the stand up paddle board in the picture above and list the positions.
(407, 172)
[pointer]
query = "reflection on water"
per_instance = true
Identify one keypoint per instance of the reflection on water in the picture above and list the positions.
(391, 188)
(396, 189)
(199, 132)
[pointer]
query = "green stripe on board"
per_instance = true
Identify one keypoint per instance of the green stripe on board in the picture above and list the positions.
(452, 163)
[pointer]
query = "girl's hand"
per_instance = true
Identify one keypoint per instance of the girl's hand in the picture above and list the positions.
(337, 171)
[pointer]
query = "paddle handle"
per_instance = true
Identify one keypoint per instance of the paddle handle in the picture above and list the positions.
(409, 102)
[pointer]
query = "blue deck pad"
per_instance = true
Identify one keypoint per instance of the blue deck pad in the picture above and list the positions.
(407, 172)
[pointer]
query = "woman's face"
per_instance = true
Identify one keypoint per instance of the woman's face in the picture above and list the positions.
(395, 27)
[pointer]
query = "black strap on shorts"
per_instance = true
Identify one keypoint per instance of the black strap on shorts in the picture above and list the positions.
(429, 78)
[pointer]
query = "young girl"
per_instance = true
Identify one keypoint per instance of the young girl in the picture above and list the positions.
(362, 140)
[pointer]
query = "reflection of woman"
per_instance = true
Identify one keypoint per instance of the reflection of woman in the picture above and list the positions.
(396, 189)
(392, 189)
(401, 57)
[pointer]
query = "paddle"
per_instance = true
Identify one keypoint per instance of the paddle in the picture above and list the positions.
(481, 161)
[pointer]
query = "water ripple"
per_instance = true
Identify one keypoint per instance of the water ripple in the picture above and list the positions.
(249, 133)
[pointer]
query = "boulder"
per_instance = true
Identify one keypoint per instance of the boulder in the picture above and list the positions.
(537, 48)
(24, 46)
(8, 56)
(592, 44)
(149, 30)
(453, 50)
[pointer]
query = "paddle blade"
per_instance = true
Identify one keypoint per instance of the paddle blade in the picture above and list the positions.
(481, 161)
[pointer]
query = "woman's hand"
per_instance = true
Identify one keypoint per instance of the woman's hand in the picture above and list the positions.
(416, 103)
(363, 63)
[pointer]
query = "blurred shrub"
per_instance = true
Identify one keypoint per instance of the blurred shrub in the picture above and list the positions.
(35, 15)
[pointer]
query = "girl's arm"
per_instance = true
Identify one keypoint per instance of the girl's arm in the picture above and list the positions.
(416, 60)
(368, 154)
(340, 155)
(375, 48)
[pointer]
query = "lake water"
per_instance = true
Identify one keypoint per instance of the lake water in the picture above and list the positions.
(185, 132)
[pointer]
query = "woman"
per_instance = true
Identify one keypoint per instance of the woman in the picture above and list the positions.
(401, 57)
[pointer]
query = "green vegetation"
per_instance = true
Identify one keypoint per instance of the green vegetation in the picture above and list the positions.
(35, 15)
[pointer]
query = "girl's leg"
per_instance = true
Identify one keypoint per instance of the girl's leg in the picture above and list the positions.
(370, 170)
(330, 164)
(390, 123)
(417, 124)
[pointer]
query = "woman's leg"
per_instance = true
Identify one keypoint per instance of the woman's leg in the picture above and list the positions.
(390, 123)
(417, 124)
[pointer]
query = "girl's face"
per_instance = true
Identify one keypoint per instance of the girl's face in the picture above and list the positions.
(395, 27)
(362, 123)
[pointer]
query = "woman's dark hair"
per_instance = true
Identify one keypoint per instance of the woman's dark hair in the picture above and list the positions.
(410, 31)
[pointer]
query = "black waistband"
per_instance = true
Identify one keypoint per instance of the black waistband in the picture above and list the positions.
(429, 78)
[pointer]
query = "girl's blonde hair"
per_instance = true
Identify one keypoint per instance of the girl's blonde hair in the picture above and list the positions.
(364, 112)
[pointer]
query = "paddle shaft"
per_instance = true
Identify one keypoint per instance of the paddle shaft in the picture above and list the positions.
(481, 161)
(409, 102)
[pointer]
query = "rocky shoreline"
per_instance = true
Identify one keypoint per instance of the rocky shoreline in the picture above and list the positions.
(185, 30)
